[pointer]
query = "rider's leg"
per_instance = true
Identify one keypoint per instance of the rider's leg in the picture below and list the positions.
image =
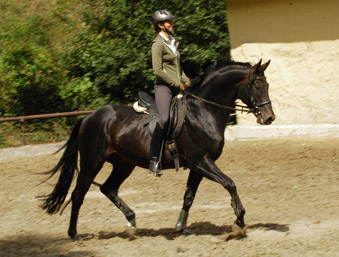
(156, 143)
(163, 97)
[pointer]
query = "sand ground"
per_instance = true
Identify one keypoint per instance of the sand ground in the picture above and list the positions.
(288, 187)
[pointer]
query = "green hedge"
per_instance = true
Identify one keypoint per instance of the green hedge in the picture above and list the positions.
(79, 55)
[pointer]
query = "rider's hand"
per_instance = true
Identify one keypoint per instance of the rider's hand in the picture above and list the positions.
(182, 87)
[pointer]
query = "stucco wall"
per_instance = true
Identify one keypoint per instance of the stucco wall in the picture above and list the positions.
(301, 38)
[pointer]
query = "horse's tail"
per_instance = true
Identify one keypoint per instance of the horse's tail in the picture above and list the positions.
(67, 164)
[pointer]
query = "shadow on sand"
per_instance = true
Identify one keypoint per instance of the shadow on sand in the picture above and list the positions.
(38, 245)
(195, 229)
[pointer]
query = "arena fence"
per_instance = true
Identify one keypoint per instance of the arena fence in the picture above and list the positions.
(22, 119)
(46, 116)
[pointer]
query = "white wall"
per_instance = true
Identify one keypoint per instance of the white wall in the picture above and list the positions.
(301, 37)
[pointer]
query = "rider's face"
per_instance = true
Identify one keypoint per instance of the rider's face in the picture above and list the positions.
(168, 25)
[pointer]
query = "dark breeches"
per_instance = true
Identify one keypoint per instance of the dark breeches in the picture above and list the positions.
(163, 98)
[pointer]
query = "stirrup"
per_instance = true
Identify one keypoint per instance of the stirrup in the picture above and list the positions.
(155, 167)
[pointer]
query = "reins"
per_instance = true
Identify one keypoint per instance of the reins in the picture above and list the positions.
(241, 109)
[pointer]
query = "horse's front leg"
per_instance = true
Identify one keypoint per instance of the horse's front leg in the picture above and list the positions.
(207, 168)
(193, 182)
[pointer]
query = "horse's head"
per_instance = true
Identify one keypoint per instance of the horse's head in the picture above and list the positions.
(253, 91)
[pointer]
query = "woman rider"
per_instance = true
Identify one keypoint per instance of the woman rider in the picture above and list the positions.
(170, 79)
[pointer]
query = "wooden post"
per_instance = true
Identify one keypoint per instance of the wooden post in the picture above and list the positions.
(22, 131)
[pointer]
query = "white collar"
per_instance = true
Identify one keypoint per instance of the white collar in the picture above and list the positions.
(164, 37)
(170, 44)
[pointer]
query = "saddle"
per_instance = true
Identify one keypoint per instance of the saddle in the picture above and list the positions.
(146, 104)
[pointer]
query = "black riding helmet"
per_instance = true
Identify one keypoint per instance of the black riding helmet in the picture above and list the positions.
(161, 16)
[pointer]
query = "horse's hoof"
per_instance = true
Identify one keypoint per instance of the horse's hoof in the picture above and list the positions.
(237, 232)
(75, 237)
(236, 227)
(130, 230)
(73, 234)
(187, 233)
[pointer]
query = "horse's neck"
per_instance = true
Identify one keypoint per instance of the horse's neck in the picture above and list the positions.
(221, 88)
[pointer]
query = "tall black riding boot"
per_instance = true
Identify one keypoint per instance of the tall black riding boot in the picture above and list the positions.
(156, 142)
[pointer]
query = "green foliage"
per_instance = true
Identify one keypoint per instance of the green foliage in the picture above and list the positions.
(81, 94)
(31, 69)
(66, 55)
(50, 60)
(32, 35)
(30, 81)
(114, 51)
(201, 27)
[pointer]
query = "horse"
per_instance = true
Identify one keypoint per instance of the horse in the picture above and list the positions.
(116, 134)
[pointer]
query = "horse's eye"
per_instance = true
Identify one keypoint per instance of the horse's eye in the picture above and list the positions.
(257, 85)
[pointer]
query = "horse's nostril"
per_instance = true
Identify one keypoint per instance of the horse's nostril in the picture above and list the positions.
(269, 120)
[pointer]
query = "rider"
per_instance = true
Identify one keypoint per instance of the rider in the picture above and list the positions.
(170, 79)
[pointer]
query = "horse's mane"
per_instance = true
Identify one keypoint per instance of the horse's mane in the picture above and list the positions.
(197, 81)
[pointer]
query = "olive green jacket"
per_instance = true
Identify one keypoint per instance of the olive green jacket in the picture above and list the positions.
(166, 64)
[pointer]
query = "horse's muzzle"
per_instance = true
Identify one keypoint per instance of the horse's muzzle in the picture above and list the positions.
(265, 115)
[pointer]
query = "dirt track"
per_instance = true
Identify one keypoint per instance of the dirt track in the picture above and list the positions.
(289, 189)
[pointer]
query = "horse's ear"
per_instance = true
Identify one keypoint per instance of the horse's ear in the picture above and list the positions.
(255, 68)
(264, 66)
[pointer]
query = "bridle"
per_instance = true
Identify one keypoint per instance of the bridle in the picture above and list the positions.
(254, 106)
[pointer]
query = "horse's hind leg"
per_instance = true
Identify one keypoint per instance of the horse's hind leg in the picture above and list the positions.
(193, 182)
(84, 182)
(121, 171)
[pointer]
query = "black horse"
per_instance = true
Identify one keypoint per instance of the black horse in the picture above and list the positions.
(116, 134)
